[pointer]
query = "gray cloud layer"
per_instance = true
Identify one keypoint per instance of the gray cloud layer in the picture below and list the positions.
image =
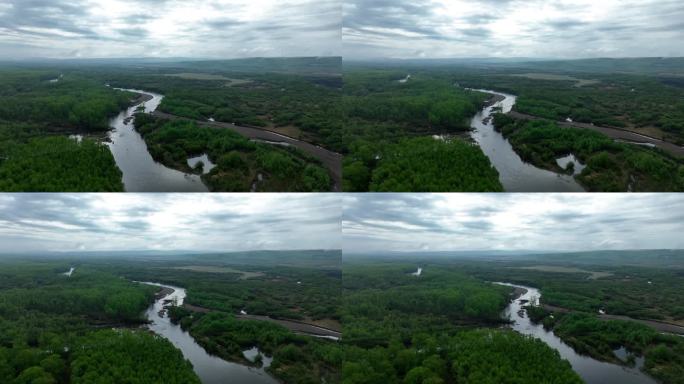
(201, 222)
(169, 28)
(512, 28)
(557, 222)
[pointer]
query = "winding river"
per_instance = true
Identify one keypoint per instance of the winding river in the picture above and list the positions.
(140, 172)
(515, 174)
(591, 370)
(210, 369)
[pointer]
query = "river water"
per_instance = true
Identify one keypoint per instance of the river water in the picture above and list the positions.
(140, 172)
(592, 371)
(210, 369)
(515, 174)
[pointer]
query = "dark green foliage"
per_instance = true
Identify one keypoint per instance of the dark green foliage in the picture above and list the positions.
(73, 103)
(239, 160)
(31, 108)
(429, 165)
(113, 357)
(59, 164)
(611, 166)
(48, 323)
(381, 114)
(489, 356)
(401, 328)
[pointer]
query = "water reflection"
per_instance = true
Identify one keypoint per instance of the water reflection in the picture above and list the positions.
(592, 371)
(577, 166)
(210, 369)
(140, 172)
(514, 173)
(207, 165)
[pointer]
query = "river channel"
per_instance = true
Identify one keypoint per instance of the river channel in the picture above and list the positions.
(140, 172)
(210, 369)
(515, 174)
(591, 370)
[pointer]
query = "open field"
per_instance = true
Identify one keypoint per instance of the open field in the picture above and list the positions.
(554, 77)
(210, 269)
(549, 268)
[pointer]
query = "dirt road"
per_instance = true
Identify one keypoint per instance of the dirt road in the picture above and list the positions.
(657, 325)
(614, 133)
(331, 160)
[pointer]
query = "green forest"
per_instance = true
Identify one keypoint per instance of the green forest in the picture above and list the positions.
(643, 101)
(650, 293)
(59, 164)
(388, 128)
(296, 359)
(429, 165)
(37, 115)
(239, 161)
(443, 326)
(573, 296)
(300, 291)
(610, 166)
(51, 329)
(303, 106)
(86, 327)
(599, 338)
(437, 328)
(300, 286)
(70, 100)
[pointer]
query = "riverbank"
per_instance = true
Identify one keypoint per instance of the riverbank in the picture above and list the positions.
(141, 173)
(165, 291)
(140, 98)
(592, 370)
(515, 174)
(210, 368)
(494, 99)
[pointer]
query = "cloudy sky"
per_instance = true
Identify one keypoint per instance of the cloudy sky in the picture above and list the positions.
(194, 222)
(512, 28)
(169, 28)
(475, 222)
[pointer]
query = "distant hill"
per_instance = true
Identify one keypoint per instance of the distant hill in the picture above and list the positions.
(660, 66)
(310, 66)
(663, 258)
(298, 258)
(653, 66)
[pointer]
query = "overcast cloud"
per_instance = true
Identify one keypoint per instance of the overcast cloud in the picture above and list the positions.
(193, 222)
(473, 222)
(512, 28)
(169, 28)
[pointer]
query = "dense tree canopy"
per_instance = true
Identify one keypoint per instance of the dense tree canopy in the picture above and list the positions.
(429, 165)
(50, 335)
(382, 118)
(407, 329)
(59, 164)
(37, 114)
